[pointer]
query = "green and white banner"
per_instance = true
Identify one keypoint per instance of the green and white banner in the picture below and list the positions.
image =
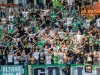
(12, 70)
(48, 69)
(85, 70)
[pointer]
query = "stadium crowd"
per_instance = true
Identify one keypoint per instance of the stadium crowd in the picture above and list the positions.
(49, 34)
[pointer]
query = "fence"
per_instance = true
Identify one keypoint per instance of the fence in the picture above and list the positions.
(53, 69)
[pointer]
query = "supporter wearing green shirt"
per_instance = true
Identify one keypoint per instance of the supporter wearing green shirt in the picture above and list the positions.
(1, 30)
(41, 4)
(74, 26)
(10, 31)
(66, 10)
(40, 43)
(9, 43)
(54, 3)
(66, 38)
(71, 47)
(73, 11)
(36, 28)
(53, 16)
(55, 57)
(58, 4)
(15, 20)
(24, 20)
(53, 19)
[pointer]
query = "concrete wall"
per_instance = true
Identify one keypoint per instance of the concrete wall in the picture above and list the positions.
(5, 1)
(15, 1)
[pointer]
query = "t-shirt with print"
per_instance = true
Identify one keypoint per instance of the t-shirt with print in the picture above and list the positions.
(98, 22)
(41, 58)
(10, 58)
(3, 20)
(10, 26)
(79, 38)
(25, 13)
(36, 55)
(88, 23)
(11, 18)
(61, 34)
(69, 20)
(16, 59)
(74, 12)
(21, 62)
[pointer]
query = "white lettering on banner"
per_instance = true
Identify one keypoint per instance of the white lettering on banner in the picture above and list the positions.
(7, 73)
(4, 69)
(18, 73)
(11, 70)
(11, 74)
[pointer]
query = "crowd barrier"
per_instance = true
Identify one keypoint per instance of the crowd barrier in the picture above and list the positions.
(53, 69)
(85, 70)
